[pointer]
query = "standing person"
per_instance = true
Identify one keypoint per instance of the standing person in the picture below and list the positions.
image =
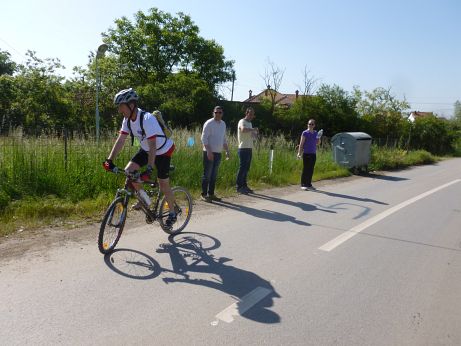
(213, 140)
(156, 149)
(246, 135)
(308, 146)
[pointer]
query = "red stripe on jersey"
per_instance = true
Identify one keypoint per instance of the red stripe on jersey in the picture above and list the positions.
(170, 151)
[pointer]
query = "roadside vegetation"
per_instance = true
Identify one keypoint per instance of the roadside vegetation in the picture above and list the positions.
(40, 186)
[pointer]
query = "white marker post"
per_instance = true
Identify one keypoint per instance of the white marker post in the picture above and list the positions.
(271, 158)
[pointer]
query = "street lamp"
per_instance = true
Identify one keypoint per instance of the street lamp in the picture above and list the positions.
(99, 54)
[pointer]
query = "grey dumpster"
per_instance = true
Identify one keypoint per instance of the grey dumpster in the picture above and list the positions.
(352, 150)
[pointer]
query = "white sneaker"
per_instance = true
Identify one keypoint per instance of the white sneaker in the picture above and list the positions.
(304, 188)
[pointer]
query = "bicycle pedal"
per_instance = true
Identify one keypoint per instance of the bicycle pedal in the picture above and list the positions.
(149, 220)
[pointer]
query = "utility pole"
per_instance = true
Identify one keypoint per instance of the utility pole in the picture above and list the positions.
(99, 54)
(233, 80)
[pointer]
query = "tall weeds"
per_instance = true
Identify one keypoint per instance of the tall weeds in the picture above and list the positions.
(48, 178)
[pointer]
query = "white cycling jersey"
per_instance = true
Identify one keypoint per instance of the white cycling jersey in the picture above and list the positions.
(151, 128)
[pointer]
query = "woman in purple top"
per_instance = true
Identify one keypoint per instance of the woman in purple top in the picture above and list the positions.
(308, 146)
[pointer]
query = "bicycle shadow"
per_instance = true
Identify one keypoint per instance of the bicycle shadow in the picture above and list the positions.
(268, 214)
(133, 264)
(191, 259)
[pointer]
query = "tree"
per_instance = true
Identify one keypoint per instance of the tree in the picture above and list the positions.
(337, 111)
(457, 110)
(157, 44)
(41, 103)
(7, 67)
(8, 94)
(309, 82)
(381, 112)
(273, 77)
(432, 134)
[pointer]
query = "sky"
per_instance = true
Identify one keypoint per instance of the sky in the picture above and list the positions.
(410, 47)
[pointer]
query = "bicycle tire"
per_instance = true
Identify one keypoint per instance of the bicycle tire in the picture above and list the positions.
(183, 206)
(110, 232)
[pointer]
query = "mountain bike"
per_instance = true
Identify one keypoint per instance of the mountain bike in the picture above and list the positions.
(114, 219)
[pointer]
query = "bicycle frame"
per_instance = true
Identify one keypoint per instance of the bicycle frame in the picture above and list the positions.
(114, 219)
(153, 191)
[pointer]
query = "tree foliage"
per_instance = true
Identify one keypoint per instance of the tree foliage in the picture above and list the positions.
(381, 112)
(432, 134)
(158, 44)
(7, 66)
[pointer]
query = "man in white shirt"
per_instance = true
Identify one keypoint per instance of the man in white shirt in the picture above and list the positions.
(214, 141)
(246, 134)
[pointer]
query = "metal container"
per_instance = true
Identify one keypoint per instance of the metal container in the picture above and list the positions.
(352, 150)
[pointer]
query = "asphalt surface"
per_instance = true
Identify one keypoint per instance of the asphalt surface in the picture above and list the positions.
(370, 260)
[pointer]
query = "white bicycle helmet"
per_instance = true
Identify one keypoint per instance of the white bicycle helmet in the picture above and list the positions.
(125, 96)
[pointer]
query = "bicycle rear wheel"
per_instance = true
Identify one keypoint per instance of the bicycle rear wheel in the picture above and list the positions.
(183, 208)
(112, 226)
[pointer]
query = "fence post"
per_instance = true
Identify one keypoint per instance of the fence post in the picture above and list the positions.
(65, 149)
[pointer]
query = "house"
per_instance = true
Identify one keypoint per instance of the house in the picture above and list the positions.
(416, 115)
(282, 100)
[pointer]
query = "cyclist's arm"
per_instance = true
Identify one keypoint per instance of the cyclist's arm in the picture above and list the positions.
(118, 146)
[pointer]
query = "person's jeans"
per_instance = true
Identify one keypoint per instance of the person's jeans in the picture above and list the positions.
(245, 155)
(210, 172)
(308, 169)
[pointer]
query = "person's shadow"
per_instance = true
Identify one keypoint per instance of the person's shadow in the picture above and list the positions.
(354, 198)
(271, 214)
(190, 255)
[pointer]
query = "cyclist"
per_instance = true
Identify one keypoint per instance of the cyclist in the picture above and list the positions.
(156, 149)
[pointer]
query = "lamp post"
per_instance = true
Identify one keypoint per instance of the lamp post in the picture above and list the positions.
(99, 54)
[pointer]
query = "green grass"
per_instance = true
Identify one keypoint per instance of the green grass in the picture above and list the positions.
(41, 186)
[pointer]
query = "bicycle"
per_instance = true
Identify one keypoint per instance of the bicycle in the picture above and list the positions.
(114, 219)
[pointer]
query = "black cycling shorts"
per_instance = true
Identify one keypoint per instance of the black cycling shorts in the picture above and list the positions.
(162, 163)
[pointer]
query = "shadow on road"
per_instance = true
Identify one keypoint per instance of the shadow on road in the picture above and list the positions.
(193, 263)
(270, 214)
(133, 264)
(300, 205)
(354, 198)
(191, 258)
(382, 177)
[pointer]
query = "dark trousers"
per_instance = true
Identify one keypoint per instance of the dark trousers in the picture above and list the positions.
(210, 172)
(308, 169)
(245, 155)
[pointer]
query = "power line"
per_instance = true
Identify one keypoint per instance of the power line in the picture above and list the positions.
(23, 56)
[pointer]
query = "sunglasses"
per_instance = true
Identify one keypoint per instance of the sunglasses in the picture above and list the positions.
(218, 112)
(311, 124)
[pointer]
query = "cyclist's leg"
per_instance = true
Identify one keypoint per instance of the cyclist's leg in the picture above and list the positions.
(136, 162)
(162, 163)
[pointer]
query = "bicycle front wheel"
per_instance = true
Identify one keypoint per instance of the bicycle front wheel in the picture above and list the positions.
(183, 209)
(112, 226)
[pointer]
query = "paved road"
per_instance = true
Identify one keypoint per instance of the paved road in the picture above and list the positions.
(369, 261)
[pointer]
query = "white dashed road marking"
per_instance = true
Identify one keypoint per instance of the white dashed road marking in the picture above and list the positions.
(359, 228)
(240, 307)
